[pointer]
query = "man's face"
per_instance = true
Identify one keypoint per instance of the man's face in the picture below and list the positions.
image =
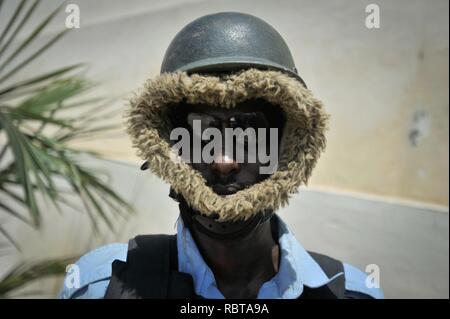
(227, 173)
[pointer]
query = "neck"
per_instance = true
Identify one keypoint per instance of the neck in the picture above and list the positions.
(241, 265)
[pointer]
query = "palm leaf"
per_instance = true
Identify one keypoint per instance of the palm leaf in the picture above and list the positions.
(37, 79)
(22, 115)
(29, 39)
(8, 209)
(12, 20)
(32, 57)
(19, 27)
(39, 160)
(22, 164)
(55, 93)
(9, 237)
(26, 272)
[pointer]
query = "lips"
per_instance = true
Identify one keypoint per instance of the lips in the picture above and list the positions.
(227, 189)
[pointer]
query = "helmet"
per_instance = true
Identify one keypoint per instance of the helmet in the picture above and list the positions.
(222, 60)
(228, 41)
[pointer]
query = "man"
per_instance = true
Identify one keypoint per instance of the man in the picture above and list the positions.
(231, 126)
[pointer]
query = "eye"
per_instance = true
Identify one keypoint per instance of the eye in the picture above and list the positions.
(250, 119)
(204, 119)
(233, 122)
(200, 120)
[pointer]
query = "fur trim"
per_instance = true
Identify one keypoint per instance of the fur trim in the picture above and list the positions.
(302, 142)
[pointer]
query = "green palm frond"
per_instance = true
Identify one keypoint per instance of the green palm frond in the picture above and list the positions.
(24, 273)
(40, 157)
(39, 116)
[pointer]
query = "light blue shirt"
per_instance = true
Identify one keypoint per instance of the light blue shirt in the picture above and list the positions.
(297, 269)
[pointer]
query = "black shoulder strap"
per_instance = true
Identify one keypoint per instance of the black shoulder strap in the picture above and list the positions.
(151, 271)
(333, 290)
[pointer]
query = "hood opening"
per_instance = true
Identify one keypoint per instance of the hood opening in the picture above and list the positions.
(302, 141)
(176, 115)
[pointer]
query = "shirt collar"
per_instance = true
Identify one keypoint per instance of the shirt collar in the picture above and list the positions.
(297, 267)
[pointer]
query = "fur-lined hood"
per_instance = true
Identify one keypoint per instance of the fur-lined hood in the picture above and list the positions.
(302, 142)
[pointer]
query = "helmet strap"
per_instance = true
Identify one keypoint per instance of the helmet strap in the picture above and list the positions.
(211, 227)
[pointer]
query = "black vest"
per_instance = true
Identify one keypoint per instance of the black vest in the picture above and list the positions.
(151, 271)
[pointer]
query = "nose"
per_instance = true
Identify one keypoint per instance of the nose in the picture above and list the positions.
(224, 165)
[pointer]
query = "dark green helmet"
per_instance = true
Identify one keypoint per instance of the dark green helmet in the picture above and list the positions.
(228, 41)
